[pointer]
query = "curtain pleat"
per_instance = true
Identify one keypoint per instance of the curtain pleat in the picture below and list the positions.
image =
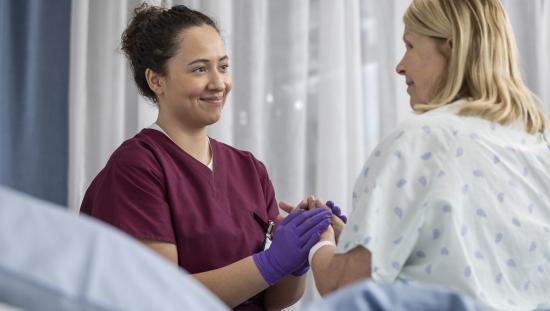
(34, 49)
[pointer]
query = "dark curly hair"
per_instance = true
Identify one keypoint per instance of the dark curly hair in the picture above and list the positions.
(150, 39)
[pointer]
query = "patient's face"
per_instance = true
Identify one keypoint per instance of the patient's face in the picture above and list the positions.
(423, 66)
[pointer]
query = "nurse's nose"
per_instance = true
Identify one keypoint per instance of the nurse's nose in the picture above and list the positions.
(216, 81)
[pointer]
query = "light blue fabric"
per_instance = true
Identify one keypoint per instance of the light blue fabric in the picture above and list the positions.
(51, 259)
(34, 57)
(373, 296)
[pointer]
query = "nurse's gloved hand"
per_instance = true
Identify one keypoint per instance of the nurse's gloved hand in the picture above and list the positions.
(303, 269)
(287, 207)
(294, 236)
(337, 211)
(338, 220)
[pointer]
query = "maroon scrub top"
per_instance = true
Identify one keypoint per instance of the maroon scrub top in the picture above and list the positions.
(153, 190)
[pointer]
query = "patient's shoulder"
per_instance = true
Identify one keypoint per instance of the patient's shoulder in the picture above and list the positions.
(441, 124)
(423, 131)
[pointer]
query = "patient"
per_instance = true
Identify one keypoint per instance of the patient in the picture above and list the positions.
(51, 259)
(458, 196)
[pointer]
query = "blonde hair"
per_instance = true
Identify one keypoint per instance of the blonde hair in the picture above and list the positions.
(483, 67)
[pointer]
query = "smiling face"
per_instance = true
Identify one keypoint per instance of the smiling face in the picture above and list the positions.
(197, 80)
(423, 66)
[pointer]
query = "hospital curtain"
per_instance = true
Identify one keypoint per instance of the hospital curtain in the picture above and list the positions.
(105, 108)
(531, 23)
(34, 49)
(297, 101)
(314, 85)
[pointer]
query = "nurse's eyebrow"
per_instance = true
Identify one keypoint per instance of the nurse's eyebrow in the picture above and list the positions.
(203, 60)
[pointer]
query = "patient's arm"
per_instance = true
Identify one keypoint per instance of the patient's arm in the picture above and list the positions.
(333, 271)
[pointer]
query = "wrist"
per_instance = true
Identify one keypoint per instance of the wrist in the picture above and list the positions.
(267, 268)
(304, 268)
(318, 246)
(337, 233)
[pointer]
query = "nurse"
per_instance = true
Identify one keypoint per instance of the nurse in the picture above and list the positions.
(202, 204)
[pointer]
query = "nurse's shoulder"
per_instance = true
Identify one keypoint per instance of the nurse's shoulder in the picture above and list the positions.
(237, 157)
(145, 149)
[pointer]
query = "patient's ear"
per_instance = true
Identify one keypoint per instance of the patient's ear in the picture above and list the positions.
(448, 47)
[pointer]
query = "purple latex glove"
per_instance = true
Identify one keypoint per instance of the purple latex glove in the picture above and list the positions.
(295, 235)
(337, 211)
(303, 269)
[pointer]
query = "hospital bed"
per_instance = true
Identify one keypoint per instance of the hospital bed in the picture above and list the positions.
(52, 259)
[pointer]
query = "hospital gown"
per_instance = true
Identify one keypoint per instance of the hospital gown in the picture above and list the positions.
(460, 202)
(373, 296)
(51, 259)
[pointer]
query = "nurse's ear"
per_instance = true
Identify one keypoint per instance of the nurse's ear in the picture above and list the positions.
(155, 81)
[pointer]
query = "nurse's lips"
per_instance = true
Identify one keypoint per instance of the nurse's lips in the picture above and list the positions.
(215, 100)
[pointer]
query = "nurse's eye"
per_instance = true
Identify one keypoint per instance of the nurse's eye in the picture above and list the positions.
(201, 69)
(224, 68)
(408, 46)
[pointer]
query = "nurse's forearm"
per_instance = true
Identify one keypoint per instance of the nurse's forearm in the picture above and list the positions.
(234, 283)
(285, 293)
(333, 271)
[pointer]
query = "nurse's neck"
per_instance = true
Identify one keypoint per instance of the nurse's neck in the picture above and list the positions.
(192, 140)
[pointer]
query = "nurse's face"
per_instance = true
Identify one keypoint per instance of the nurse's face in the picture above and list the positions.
(197, 80)
(423, 66)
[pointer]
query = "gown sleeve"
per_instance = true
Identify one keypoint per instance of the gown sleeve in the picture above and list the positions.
(391, 195)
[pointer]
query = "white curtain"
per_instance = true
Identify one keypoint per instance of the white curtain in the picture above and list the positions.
(531, 23)
(104, 107)
(314, 90)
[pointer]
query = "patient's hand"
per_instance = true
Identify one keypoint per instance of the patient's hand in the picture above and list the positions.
(308, 203)
(328, 235)
(337, 225)
(287, 207)
(312, 202)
